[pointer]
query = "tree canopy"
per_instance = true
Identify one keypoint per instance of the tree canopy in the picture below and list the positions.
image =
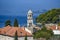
(51, 16)
(43, 33)
(15, 23)
(16, 36)
(8, 22)
(26, 37)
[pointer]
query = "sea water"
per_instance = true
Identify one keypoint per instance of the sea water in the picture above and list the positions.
(22, 20)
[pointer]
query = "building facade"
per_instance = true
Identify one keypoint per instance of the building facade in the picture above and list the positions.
(8, 33)
(29, 18)
(30, 21)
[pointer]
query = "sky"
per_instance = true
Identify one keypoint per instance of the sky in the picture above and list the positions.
(21, 7)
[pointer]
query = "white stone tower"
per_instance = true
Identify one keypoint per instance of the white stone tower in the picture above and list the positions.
(29, 19)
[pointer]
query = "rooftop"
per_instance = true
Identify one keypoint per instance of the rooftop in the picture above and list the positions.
(29, 11)
(10, 31)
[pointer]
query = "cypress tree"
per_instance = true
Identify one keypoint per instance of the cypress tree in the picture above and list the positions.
(16, 36)
(26, 37)
(15, 23)
(8, 22)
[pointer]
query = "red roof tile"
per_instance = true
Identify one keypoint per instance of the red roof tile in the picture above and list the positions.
(11, 31)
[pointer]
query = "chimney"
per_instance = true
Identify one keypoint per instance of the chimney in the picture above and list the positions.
(56, 27)
(23, 28)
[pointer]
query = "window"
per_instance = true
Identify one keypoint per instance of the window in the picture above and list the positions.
(30, 15)
(21, 33)
(30, 24)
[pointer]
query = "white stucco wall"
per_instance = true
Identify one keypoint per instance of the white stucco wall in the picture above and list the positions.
(1, 37)
(6, 38)
(12, 38)
(30, 38)
(9, 38)
(56, 32)
(21, 38)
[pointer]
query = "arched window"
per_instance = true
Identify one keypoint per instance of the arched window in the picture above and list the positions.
(30, 24)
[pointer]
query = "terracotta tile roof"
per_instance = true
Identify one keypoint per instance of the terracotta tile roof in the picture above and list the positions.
(54, 27)
(59, 27)
(0, 30)
(12, 30)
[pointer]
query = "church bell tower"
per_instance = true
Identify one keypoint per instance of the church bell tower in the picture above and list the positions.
(29, 19)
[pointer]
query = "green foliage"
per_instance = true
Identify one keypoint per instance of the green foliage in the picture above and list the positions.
(44, 28)
(43, 33)
(15, 23)
(16, 36)
(51, 16)
(8, 22)
(59, 24)
(25, 37)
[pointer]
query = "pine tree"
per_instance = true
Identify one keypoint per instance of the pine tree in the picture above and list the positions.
(16, 36)
(8, 22)
(15, 23)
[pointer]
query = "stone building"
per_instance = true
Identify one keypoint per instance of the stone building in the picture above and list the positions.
(30, 20)
(56, 31)
(30, 24)
(8, 33)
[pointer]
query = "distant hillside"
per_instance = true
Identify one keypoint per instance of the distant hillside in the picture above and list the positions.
(51, 16)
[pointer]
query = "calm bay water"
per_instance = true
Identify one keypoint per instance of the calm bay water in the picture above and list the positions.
(22, 20)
